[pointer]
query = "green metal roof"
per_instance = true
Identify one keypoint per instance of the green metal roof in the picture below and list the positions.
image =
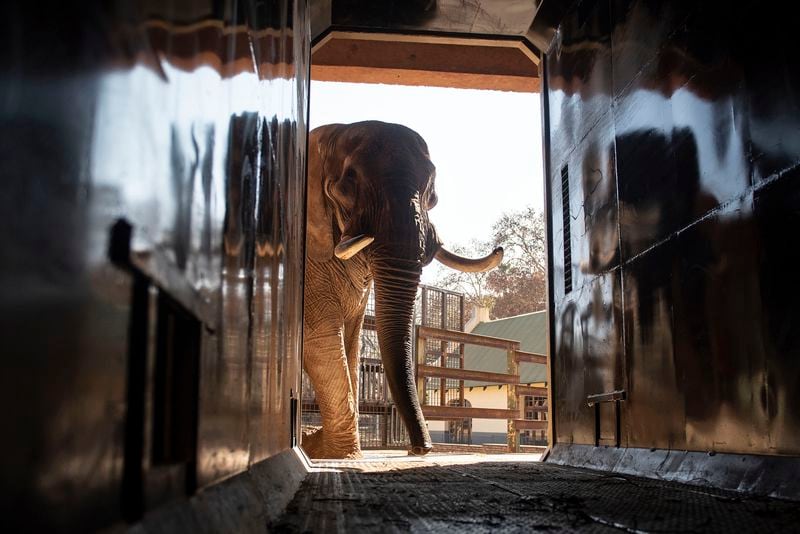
(530, 329)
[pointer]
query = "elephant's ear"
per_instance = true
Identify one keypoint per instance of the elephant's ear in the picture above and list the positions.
(319, 220)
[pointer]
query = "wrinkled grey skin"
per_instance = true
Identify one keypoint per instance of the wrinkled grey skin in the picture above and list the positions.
(370, 186)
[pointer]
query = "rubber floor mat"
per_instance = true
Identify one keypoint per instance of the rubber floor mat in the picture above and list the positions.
(452, 494)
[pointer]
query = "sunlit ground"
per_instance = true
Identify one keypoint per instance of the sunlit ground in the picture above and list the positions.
(379, 460)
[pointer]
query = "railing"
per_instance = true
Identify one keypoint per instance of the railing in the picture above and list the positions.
(514, 357)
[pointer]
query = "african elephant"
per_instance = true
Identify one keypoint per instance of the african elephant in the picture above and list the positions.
(370, 186)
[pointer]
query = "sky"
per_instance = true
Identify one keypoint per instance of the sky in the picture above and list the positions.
(486, 146)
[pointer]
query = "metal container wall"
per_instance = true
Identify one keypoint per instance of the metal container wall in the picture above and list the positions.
(674, 191)
(495, 17)
(187, 121)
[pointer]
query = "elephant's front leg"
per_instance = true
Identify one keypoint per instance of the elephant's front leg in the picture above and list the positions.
(352, 344)
(326, 363)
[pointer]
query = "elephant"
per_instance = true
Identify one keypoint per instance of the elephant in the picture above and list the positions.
(370, 186)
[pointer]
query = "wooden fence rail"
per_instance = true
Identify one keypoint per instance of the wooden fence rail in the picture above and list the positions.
(530, 357)
(465, 374)
(514, 357)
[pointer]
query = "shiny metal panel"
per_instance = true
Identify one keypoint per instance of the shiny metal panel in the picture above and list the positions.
(579, 77)
(187, 121)
(769, 476)
(676, 126)
(494, 17)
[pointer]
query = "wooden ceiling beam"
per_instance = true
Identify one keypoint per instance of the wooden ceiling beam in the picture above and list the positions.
(425, 60)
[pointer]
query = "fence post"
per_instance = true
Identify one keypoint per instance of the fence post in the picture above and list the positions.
(512, 369)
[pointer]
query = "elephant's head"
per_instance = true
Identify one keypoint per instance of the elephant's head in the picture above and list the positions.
(370, 186)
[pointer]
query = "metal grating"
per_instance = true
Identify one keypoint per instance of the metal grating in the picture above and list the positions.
(372, 427)
(566, 232)
(459, 430)
(395, 494)
(443, 309)
(396, 435)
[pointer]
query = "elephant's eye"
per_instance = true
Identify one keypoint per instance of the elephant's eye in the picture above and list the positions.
(345, 186)
(430, 194)
(432, 200)
(348, 178)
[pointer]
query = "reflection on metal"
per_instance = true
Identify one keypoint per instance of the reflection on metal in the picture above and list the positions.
(773, 476)
(682, 154)
(543, 29)
(186, 121)
(478, 17)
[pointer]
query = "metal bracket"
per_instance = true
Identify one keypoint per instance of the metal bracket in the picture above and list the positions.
(611, 396)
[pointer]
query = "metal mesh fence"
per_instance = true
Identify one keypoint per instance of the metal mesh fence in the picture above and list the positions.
(443, 309)
(397, 435)
(311, 418)
(459, 430)
(372, 427)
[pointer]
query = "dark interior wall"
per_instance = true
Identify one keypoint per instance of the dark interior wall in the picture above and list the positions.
(498, 18)
(135, 371)
(674, 143)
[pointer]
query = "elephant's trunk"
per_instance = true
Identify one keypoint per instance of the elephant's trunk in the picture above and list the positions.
(396, 284)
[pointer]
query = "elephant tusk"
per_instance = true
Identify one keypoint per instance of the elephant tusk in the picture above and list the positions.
(467, 265)
(350, 246)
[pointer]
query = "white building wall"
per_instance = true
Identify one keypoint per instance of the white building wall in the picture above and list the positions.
(491, 397)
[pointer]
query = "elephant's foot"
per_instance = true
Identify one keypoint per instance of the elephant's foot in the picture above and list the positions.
(343, 453)
(419, 451)
(353, 455)
(316, 448)
(312, 442)
(343, 448)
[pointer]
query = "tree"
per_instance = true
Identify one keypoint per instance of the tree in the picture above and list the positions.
(517, 292)
(521, 234)
(519, 284)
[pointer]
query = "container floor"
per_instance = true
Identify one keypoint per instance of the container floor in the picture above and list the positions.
(390, 492)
